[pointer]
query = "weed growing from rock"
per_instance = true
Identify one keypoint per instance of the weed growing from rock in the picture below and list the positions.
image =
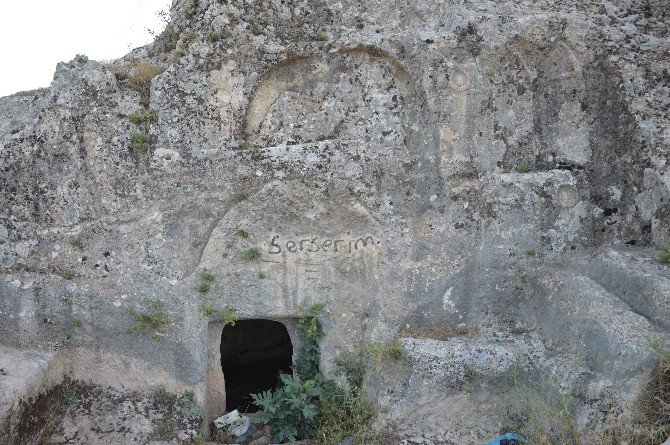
(243, 233)
(525, 167)
(240, 196)
(309, 406)
(76, 323)
(139, 142)
(229, 316)
(67, 274)
(252, 255)
(206, 275)
(207, 310)
(76, 242)
(203, 288)
(531, 252)
(162, 431)
(441, 332)
(257, 30)
(321, 36)
(153, 320)
(664, 256)
(196, 243)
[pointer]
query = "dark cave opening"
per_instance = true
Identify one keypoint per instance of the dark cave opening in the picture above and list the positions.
(253, 354)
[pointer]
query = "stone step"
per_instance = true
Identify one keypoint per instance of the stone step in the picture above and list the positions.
(580, 317)
(636, 277)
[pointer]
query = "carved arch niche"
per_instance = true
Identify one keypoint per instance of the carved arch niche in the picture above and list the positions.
(354, 115)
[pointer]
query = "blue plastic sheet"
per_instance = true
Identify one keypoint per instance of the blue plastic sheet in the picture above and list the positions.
(501, 439)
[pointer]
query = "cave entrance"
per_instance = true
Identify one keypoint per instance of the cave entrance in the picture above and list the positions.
(253, 354)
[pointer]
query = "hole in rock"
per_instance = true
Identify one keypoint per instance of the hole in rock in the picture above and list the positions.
(253, 354)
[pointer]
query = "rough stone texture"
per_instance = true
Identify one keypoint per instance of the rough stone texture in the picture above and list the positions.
(403, 166)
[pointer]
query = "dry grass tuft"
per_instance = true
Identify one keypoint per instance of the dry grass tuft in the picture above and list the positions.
(144, 72)
(441, 332)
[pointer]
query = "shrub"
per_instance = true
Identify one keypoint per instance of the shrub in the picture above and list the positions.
(196, 243)
(291, 409)
(153, 320)
(243, 233)
(139, 141)
(531, 252)
(76, 323)
(252, 255)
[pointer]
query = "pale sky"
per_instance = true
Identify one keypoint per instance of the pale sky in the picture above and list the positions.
(37, 34)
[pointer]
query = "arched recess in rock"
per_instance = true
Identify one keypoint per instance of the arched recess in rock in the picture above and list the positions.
(355, 106)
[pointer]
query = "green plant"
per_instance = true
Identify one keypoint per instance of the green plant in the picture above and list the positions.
(76, 323)
(531, 252)
(67, 274)
(261, 276)
(252, 255)
(189, 395)
(206, 275)
(76, 242)
(310, 333)
(664, 256)
(161, 394)
(291, 409)
(153, 320)
(207, 310)
(243, 233)
(321, 36)
(143, 118)
(198, 440)
(229, 316)
(139, 141)
(243, 145)
(196, 243)
(203, 288)
(525, 167)
(162, 431)
(240, 196)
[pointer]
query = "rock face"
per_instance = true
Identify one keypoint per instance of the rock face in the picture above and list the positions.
(495, 165)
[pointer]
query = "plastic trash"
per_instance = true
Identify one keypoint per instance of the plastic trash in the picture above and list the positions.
(235, 424)
(507, 439)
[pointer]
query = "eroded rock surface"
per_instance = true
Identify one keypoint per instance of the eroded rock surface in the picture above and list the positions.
(495, 165)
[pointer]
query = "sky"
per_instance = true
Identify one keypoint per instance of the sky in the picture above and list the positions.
(37, 34)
